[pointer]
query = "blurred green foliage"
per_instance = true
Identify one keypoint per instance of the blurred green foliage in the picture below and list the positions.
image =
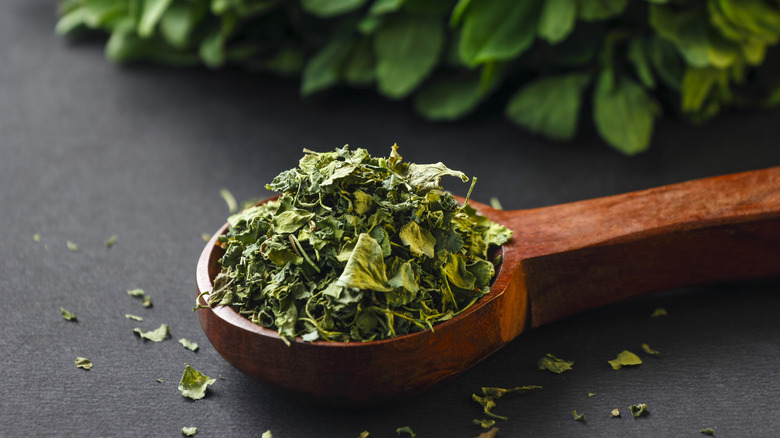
(629, 61)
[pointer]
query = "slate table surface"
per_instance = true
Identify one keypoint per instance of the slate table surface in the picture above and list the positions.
(89, 150)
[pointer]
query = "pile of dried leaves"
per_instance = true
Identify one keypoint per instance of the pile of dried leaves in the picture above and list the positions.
(356, 248)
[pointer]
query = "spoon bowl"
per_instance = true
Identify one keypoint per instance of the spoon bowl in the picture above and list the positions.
(562, 260)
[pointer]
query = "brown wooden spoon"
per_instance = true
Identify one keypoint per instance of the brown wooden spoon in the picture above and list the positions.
(562, 260)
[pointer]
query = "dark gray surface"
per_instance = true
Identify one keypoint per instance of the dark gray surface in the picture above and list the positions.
(88, 150)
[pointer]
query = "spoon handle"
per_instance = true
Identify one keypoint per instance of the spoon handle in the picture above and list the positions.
(578, 256)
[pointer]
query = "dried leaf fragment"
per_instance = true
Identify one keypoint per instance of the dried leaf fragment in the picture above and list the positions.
(111, 241)
(638, 410)
(554, 364)
(485, 424)
(83, 362)
(133, 317)
(579, 417)
(625, 358)
(136, 292)
(708, 431)
(72, 246)
(67, 315)
(189, 431)
(193, 383)
(646, 348)
(190, 345)
(230, 200)
(615, 413)
(658, 312)
(489, 434)
(407, 430)
(160, 334)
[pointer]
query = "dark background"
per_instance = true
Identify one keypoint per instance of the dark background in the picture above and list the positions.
(89, 150)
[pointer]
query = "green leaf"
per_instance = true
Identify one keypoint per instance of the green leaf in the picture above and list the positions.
(624, 114)
(419, 240)
(212, 50)
(405, 278)
(365, 268)
(160, 334)
(323, 70)
(553, 364)
(381, 7)
(455, 270)
(190, 345)
(407, 48)
(70, 22)
(360, 66)
(599, 10)
(666, 61)
(449, 98)
(151, 13)
(330, 8)
(550, 106)
(67, 315)
(497, 30)
(625, 358)
(638, 57)
(179, 22)
(426, 177)
(290, 221)
(189, 431)
(193, 383)
(557, 20)
(83, 362)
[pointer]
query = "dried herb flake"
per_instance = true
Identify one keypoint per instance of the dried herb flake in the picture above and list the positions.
(193, 383)
(579, 417)
(489, 434)
(638, 409)
(111, 241)
(553, 364)
(708, 431)
(407, 430)
(136, 293)
(160, 334)
(133, 317)
(190, 345)
(72, 246)
(485, 424)
(658, 312)
(625, 358)
(67, 315)
(83, 362)
(230, 200)
(189, 431)
(646, 348)
(615, 413)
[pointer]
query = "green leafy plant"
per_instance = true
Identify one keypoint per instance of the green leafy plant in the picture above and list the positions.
(627, 61)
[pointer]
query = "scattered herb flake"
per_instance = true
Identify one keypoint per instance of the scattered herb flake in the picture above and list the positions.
(136, 292)
(625, 358)
(485, 424)
(638, 409)
(190, 345)
(111, 241)
(67, 315)
(553, 364)
(160, 380)
(407, 430)
(72, 246)
(708, 431)
(658, 312)
(495, 203)
(162, 333)
(646, 348)
(267, 434)
(133, 317)
(205, 236)
(489, 395)
(591, 394)
(189, 431)
(579, 417)
(146, 301)
(356, 248)
(230, 200)
(489, 434)
(193, 383)
(221, 377)
(36, 237)
(363, 434)
(615, 413)
(83, 362)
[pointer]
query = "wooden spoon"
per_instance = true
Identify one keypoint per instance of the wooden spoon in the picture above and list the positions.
(562, 260)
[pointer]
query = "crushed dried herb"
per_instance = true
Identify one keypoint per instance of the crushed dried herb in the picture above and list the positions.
(160, 334)
(708, 431)
(489, 434)
(356, 248)
(489, 395)
(615, 413)
(189, 431)
(553, 364)
(133, 317)
(67, 315)
(625, 358)
(646, 348)
(658, 312)
(230, 200)
(72, 246)
(111, 241)
(485, 424)
(579, 417)
(407, 430)
(638, 410)
(190, 345)
(83, 362)
(193, 383)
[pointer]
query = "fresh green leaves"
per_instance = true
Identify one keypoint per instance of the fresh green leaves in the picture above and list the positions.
(356, 248)
(497, 30)
(625, 358)
(67, 315)
(624, 113)
(83, 362)
(193, 383)
(549, 106)
(160, 334)
(553, 364)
